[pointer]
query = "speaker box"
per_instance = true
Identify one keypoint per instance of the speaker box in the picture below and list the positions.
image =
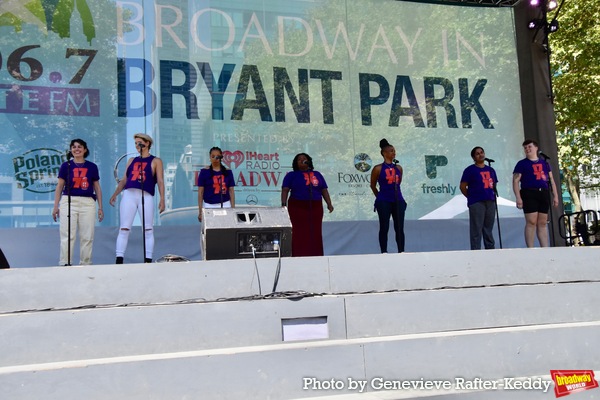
(246, 232)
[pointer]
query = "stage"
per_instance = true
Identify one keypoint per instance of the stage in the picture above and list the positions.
(224, 330)
(339, 238)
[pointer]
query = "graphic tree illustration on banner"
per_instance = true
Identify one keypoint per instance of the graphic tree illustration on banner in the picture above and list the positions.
(48, 15)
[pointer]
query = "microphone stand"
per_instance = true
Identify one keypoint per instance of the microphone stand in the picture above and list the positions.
(550, 220)
(221, 181)
(397, 197)
(496, 204)
(310, 210)
(69, 165)
(141, 181)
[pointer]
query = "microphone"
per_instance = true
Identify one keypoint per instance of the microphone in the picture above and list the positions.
(305, 162)
(69, 154)
(395, 161)
(545, 157)
(219, 157)
(489, 160)
(141, 145)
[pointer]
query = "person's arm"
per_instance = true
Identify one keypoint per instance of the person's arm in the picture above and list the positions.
(232, 196)
(120, 185)
(399, 168)
(464, 188)
(374, 175)
(98, 191)
(200, 201)
(325, 194)
(517, 189)
(555, 193)
(284, 196)
(495, 180)
(160, 181)
(57, 193)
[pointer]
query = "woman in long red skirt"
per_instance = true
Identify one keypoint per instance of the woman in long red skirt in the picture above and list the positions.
(305, 205)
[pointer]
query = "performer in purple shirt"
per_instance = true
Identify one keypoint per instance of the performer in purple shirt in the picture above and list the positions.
(305, 206)
(143, 173)
(531, 180)
(215, 184)
(388, 199)
(79, 180)
(478, 184)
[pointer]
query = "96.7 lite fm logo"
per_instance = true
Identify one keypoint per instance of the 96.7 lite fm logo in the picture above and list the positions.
(25, 66)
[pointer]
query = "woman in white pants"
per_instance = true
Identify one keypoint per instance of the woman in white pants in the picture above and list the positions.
(143, 173)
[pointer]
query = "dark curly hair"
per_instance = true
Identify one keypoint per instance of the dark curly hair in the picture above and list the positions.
(83, 143)
(295, 161)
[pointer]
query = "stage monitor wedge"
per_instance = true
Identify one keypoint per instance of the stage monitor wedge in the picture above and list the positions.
(246, 232)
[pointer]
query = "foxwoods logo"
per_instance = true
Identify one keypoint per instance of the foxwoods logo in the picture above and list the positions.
(37, 170)
(49, 16)
(358, 180)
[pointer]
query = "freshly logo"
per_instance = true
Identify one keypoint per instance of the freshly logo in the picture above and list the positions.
(47, 15)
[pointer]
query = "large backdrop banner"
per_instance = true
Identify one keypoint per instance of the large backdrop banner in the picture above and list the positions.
(263, 80)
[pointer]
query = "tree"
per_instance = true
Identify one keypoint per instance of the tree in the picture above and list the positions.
(575, 64)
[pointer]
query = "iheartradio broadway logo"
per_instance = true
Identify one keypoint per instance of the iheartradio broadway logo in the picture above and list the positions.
(233, 159)
(571, 381)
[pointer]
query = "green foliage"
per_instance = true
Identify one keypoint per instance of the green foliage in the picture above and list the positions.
(575, 62)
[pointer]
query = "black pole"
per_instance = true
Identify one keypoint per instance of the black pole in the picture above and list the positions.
(221, 181)
(397, 197)
(69, 210)
(550, 193)
(310, 209)
(496, 205)
(141, 181)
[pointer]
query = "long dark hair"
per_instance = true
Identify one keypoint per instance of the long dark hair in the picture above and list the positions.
(223, 167)
(295, 161)
(83, 143)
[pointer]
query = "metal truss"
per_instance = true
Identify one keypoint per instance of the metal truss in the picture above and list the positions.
(483, 3)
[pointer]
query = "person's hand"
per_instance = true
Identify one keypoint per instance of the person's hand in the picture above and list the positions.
(200, 216)
(555, 201)
(520, 204)
(100, 215)
(55, 213)
(161, 206)
(330, 207)
(113, 200)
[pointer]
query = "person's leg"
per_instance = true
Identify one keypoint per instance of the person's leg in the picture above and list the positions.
(530, 228)
(65, 258)
(317, 223)
(87, 221)
(384, 211)
(476, 218)
(398, 211)
(542, 229)
(127, 209)
(488, 224)
(148, 229)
